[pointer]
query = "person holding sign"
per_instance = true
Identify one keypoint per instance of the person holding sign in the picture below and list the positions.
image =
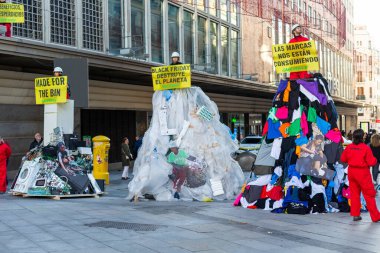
(175, 59)
(58, 72)
(5, 28)
(297, 31)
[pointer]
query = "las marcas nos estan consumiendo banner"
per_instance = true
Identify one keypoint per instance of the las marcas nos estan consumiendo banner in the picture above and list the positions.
(295, 57)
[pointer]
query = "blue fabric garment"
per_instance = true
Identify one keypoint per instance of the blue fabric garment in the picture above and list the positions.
(167, 94)
(287, 161)
(301, 140)
(323, 125)
(293, 172)
(282, 86)
(292, 196)
(329, 191)
(273, 131)
(274, 179)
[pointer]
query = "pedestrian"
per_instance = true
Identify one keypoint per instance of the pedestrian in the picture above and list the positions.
(175, 59)
(63, 156)
(178, 158)
(343, 133)
(38, 140)
(5, 153)
(137, 146)
(58, 71)
(126, 158)
(349, 135)
(359, 158)
(5, 28)
(375, 147)
(297, 33)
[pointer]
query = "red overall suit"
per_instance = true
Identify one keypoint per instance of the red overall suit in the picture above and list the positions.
(302, 74)
(360, 158)
(5, 153)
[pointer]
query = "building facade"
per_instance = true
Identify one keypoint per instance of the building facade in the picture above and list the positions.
(367, 79)
(329, 23)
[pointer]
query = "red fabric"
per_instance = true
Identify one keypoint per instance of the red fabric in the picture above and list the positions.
(361, 181)
(275, 193)
(237, 200)
(252, 207)
(5, 153)
(180, 176)
(8, 32)
(358, 156)
(302, 74)
(263, 192)
(265, 129)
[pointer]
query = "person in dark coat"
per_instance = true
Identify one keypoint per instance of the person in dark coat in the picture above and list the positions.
(36, 142)
(137, 145)
(126, 158)
(375, 147)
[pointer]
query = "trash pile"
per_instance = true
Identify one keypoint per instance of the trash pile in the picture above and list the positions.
(186, 152)
(298, 169)
(41, 174)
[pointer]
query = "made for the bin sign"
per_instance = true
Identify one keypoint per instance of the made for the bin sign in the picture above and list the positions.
(295, 57)
(12, 13)
(51, 90)
(171, 77)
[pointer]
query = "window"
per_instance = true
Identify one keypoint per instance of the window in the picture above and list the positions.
(234, 54)
(188, 25)
(299, 6)
(202, 43)
(62, 22)
(310, 14)
(315, 18)
(138, 27)
(359, 77)
(304, 8)
(370, 75)
(201, 5)
(233, 12)
(213, 6)
(370, 92)
(319, 20)
(370, 60)
(360, 91)
(224, 50)
(223, 9)
(214, 48)
(114, 25)
(156, 30)
(173, 26)
(369, 44)
(92, 14)
(32, 28)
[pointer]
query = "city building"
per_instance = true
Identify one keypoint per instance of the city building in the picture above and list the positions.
(329, 23)
(367, 79)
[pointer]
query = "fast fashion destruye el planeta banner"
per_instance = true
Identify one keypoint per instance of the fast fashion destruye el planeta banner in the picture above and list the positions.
(171, 77)
(295, 57)
(12, 13)
(51, 90)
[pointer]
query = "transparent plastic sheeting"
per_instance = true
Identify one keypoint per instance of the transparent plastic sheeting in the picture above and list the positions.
(207, 142)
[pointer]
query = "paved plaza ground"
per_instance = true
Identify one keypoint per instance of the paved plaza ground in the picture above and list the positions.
(112, 224)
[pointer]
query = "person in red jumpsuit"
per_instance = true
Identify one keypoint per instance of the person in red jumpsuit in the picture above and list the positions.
(359, 158)
(5, 28)
(5, 153)
(296, 31)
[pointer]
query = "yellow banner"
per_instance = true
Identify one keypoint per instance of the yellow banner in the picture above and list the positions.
(50, 90)
(12, 13)
(171, 77)
(295, 57)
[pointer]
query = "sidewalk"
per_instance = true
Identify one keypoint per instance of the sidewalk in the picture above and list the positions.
(31, 225)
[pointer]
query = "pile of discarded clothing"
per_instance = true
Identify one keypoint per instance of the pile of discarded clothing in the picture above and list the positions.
(41, 174)
(298, 169)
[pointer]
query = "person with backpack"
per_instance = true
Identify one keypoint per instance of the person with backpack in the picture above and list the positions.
(375, 148)
(359, 158)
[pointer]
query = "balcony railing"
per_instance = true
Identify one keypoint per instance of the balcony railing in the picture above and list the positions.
(360, 97)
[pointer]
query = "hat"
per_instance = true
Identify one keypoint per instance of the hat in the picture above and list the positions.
(58, 69)
(295, 26)
(175, 54)
(60, 144)
(173, 144)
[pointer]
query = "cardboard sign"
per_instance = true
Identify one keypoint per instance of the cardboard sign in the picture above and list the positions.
(12, 13)
(295, 57)
(171, 77)
(51, 90)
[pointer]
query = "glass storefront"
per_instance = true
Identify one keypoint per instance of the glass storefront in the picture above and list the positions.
(214, 48)
(157, 38)
(188, 25)
(202, 36)
(138, 27)
(173, 25)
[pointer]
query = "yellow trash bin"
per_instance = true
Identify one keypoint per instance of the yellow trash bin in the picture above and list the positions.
(101, 146)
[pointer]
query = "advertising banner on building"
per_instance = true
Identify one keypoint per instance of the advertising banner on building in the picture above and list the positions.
(171, 77)
(12, 13)
(51, 90)
(295, 57)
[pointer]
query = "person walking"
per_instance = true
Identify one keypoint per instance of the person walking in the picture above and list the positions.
(5, 153)
(375, 148)
(359, 158)
(349, 135)
(38, 140)
(126, 158)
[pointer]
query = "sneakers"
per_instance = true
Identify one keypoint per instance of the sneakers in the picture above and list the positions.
(357, 218)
